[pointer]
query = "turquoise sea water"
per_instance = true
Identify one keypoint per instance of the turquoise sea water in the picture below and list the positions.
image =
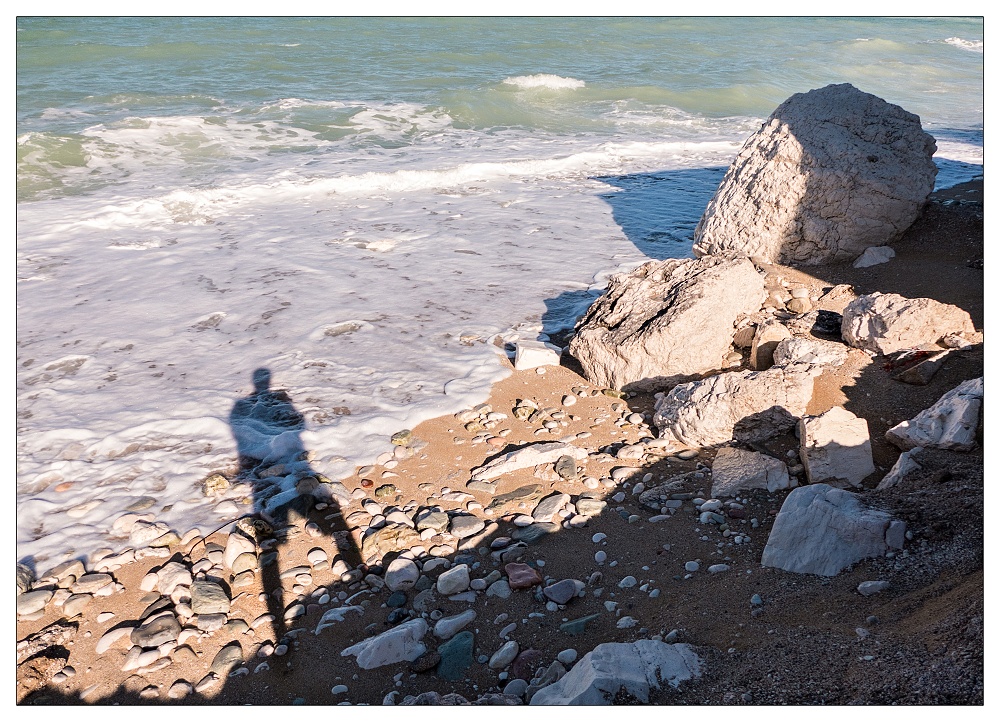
(364, 206)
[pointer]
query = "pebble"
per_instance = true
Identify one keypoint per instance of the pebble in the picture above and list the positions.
(716, 568)
(872, 587)
(568, 400)
(567, 656)
(516, 687)
(454, 581)
(32, 602)
(691, 566)
(563, 591)
(503, 657)
(521, 576)
(627, 622)
(687, 454)
(456, 656)
(339, 689)
(627, 582)
(600, 557)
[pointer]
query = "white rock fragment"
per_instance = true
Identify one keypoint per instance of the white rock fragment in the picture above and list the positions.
(835, 448)
(527, 457)
(951, 423)
(736, 470)
(399, 644)
(874, 255)
(614, 667)
(887, 323)
(534, 354)
(821, 530)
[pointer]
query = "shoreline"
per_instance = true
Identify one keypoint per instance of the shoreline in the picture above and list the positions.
(436, 474)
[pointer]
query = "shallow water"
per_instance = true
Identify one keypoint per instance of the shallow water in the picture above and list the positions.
(362, 206)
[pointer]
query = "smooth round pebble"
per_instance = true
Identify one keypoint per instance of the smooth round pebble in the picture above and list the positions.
(567, 656)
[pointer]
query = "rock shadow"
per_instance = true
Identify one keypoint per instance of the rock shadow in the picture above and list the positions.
(651, 208)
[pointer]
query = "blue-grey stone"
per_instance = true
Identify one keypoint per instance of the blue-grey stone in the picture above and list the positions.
(456, 656)
(577, 626)
(396, 599)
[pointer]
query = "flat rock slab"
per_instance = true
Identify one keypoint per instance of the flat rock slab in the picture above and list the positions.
(399, 644)
(526, 458)
(885, 323)
(821, 529)
(951, 423)
(526, 495)
(737, 470)
(614, 668)
(466, 525)
(835, 448)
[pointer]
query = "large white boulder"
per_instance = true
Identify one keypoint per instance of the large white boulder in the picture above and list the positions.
(821, 529)
(736, 470)
(666, 321)
(746, 405)
(635, 668)
(835, 448)
(951, 423)
(830, 173)
(399, 644)
(887, 322)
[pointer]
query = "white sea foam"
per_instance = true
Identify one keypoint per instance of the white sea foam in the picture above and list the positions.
(975, 46)
(544, 80)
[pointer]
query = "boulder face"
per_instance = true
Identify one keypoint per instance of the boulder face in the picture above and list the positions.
(618, 667)
(887, 322)
(835, 448)
(821, 530)
(745, 405)
(830, 173)
(666, 321)
(736, 470)
(951, 423)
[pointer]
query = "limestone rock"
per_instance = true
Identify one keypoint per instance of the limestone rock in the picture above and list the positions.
(401, 574)
(746, 405)
(527, 457)
(532, 354)
(454, 581)
(390, 538)
(906, 463)
(951, 423)
(614, 667)
(887, 322)
(835, 448)
(736, 470)
(765, 341)
(874, 256)
(830, 173)
(821, 530)
(809, 351)
(666, 321)
(399, 644)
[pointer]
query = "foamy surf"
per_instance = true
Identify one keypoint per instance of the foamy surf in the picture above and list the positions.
(544, 80)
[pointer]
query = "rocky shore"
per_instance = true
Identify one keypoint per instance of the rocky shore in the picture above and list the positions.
(782, 505)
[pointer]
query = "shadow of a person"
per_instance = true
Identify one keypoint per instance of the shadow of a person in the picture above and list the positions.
(268, 432)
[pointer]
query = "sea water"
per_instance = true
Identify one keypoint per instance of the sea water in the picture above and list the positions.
(370, 209)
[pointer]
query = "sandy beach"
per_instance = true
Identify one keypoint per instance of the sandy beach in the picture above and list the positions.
(804, 639)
